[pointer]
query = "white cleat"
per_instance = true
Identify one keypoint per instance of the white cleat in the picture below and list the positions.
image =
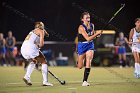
(85, 83)
(27, 81)
(47, 84)
(121, 66)
(138, 75)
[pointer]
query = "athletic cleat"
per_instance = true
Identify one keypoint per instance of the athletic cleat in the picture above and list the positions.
(28, 82)
(47, 84)
(85, 83)
(121, 66)
(138, 75)
(135, 75)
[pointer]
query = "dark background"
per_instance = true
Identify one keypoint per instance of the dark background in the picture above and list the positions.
(62, 18)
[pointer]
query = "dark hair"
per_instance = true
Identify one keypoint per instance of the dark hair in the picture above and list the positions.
(137, 19)
(84, 13)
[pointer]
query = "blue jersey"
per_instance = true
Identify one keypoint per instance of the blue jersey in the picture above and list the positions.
(89, 32)
(10, 42)
(122, 42)
(121, 49)
(83, 45)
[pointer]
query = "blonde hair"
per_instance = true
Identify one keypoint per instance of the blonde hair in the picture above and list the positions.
(39, 25)
(1, 34)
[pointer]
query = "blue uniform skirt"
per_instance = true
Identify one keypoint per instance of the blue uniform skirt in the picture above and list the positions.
(10, 49)
(83, 47)
(121, 50)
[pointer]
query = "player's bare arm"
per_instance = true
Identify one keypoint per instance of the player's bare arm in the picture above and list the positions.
(93, 32)
(130, 36)
(46, 33)
(14, 39)
(126, 40)
(117, 43)
(6, 43)
(85, 35)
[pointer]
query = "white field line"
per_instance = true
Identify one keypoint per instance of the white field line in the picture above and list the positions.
(72, 88)
(16, 83)
(67, 82)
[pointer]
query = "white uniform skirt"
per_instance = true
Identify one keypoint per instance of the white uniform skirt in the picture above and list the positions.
(136, 48)
(29, 50)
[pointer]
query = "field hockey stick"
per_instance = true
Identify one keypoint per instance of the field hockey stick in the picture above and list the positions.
(122, 6)
(62, 82)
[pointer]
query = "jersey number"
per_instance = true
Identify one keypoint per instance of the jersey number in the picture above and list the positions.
(28, 37)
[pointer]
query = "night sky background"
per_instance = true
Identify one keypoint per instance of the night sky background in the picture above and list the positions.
(62, 17)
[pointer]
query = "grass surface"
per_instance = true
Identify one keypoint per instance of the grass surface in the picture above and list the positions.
(102, 80)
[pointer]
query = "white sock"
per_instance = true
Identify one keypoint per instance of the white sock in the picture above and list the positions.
(45, 72)
(136, 67)
(29, 71)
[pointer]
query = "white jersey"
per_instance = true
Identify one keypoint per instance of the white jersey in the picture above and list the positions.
(136, 35)
(135, 46)
(29, 48)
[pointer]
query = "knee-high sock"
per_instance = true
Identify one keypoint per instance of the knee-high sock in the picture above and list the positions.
(136, 67)
(124, 63)
(127, 63)
(30, 69)
(86, 74)
(45, 72)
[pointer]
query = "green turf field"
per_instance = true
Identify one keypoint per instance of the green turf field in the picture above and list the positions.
(102, 80)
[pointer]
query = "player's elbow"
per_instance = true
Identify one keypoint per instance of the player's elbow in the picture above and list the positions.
(40, 45)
